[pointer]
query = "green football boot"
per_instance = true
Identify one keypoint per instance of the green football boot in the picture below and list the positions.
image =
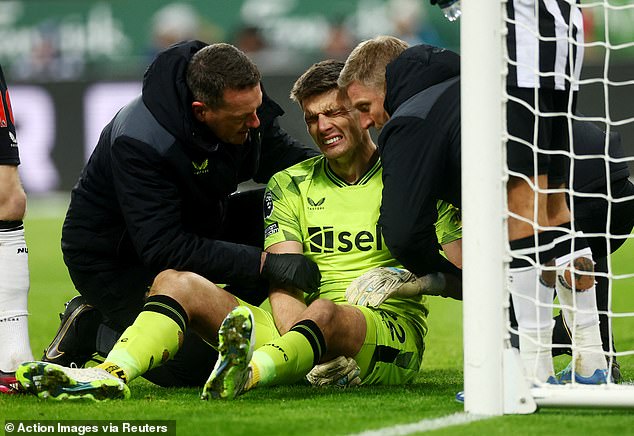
(55, 382)
(231, 373)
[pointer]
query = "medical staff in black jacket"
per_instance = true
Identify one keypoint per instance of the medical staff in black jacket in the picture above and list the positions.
(155, 195)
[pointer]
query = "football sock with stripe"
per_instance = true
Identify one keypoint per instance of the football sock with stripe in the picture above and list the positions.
(154, 337)
(289, 358)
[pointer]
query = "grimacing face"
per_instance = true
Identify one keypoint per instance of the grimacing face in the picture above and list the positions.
(332, 124)
(232, 121)
(369, 102)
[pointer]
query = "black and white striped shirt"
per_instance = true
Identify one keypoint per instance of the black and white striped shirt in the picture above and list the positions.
(545, 43)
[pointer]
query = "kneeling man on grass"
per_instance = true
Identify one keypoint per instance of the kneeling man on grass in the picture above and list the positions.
(326, 208)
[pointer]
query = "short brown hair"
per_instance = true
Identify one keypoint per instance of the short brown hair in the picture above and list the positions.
(217, 67)
(318, 79)
(366, 63)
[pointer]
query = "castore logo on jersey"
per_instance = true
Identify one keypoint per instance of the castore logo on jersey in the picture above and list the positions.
(316, 205)
(201, 168)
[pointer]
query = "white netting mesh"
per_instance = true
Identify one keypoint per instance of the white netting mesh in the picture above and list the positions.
(603, 198)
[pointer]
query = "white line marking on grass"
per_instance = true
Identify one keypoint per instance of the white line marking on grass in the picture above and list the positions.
(425, 425)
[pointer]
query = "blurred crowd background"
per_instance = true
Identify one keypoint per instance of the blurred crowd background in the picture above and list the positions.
(72, 39)
(71, 64)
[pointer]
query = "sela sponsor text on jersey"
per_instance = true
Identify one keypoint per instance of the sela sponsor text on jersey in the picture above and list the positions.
(325, 239)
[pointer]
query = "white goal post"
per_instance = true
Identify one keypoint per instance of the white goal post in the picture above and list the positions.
(493, 379)
(482, 215)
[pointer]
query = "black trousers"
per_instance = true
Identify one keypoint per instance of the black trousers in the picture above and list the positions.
(119, 296)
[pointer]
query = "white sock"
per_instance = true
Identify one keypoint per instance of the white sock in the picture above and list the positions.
(14, 334)
(14, 289)
(582, 317)
(536, 354)
(532, 302)
(580, 312)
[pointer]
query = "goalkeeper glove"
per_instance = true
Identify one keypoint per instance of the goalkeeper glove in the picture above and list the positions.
(377, 285)
(341, 372)
(292, 270)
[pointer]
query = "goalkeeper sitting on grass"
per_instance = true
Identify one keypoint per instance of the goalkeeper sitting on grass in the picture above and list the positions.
(327, 208)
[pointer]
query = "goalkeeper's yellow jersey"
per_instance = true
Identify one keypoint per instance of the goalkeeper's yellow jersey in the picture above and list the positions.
(337, 224)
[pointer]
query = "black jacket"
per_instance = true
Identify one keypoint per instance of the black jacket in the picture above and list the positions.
(420, 151)
(154, 191)
(594, 215)
(590, 174)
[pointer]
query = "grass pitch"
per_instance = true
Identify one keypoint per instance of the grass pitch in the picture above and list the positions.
(302, 410)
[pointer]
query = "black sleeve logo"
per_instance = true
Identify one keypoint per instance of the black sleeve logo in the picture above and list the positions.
(271, 229)
(268, 204)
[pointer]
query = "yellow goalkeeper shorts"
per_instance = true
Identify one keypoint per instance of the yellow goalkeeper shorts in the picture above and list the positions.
(392, 352)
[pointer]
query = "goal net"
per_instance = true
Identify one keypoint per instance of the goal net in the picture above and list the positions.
(601, 149)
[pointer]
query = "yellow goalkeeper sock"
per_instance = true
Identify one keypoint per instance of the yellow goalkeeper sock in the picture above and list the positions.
(154, 337)
(289, 358)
